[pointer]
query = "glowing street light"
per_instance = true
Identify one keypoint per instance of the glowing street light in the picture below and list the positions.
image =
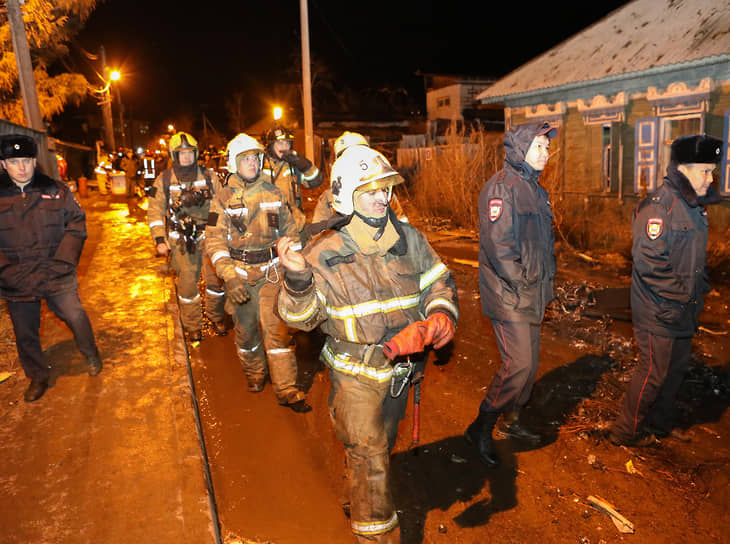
(277, 113)
(115, 75)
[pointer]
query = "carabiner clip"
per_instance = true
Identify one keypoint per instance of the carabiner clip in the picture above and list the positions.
(276, 273)
(400, 369)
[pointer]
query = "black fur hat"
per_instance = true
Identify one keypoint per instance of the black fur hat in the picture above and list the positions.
(701, 149)
(17, 145)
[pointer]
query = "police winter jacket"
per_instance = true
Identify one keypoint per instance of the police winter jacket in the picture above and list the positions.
(516, 242)
(669, 276)
(246, 217)
(42, 233)
(366, 299)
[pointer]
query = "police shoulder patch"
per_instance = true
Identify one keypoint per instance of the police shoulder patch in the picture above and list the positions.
(495, 209)
(654, 227)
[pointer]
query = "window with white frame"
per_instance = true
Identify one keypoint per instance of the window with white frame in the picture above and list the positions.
(671, 128)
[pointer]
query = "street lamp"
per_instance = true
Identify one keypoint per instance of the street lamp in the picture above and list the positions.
(115, 75)
(105, 101)
(277, 113)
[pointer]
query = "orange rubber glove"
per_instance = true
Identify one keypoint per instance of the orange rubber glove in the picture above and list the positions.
(409, 340)
(439, 330)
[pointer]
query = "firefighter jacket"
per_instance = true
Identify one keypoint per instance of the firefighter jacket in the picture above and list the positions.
(669, 276)
(179, 211)
(516, 242)
(359, 301)
(246, 220)
(42, 233)
(289, 179)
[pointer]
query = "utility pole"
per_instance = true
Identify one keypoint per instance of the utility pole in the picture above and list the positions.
(106, 106)
(31, 108)
(306, 83)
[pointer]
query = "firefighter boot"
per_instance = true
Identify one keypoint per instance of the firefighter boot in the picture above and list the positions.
(253, 362)
(510, 427)
(479, 435)
(283, 369)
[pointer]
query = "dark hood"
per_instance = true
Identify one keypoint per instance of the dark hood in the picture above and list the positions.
(518, 139)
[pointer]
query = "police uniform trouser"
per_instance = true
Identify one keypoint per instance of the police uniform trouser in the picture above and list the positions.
(278, 349)
(358, 408)
(519, 348)
(650, 396)
(26, 319)
(188, 267)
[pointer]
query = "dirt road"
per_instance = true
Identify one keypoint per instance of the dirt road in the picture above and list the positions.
(276, 473)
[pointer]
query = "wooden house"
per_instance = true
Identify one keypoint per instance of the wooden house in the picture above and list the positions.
(623, 89)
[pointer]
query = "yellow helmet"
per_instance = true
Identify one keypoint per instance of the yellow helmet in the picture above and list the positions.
(180, 141)
(348, 139)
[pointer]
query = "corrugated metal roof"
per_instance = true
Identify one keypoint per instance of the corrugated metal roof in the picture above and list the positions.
(642, 35)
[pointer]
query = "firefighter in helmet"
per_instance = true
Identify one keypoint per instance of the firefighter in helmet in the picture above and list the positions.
(289, 170)
(381, 295)
(247, 218)
(324, 209)
(179, 202)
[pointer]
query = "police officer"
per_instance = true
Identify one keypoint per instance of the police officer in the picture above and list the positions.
(247, 218)
(42, 233)
(668, 283)
(179, 202)
(379, 293)
(289, 171)
(516, 272)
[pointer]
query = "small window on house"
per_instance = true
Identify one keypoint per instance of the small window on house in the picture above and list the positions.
(606, 158)
(671, 128)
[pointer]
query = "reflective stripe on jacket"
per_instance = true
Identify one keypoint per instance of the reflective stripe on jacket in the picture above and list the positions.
(367, 299)
(248, 217)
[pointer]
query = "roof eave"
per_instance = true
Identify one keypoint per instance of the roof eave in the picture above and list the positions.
(485, 98)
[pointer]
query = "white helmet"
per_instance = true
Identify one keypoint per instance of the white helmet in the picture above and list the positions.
(348, 139)
(359, 167)
(241, 144)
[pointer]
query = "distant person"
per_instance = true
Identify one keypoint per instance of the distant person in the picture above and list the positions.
(42, 235)
(668, 283)
(179, 203)
(130, 165)
(289, 171)
(381, 295)
(516, 271)
(250, 216)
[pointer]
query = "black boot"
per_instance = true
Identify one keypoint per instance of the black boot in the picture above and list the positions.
(510, 427)
(479, 435)
(35, 390)
(94, 365)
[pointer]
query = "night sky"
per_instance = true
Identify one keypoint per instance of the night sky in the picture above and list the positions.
(177, 60)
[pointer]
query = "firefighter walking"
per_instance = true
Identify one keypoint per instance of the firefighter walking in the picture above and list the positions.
(247, 218)
(381, 294)
(179, 203)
